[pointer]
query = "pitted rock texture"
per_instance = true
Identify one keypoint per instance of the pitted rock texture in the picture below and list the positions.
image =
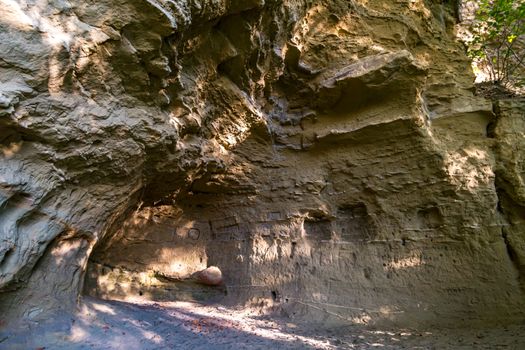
(508, 130)
(329, 157)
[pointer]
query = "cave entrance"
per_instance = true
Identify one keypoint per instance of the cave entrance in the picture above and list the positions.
(159, 254)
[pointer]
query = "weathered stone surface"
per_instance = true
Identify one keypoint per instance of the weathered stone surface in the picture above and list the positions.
(509, 133)
(328, 157)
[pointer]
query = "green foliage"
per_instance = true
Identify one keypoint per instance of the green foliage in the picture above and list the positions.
(498, 43)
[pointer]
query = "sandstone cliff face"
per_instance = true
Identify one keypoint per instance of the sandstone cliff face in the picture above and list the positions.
(328, 156)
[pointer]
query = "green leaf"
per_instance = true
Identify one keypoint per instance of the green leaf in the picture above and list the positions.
(497, 25)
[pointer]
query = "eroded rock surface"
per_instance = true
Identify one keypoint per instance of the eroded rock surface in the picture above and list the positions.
(328, 157)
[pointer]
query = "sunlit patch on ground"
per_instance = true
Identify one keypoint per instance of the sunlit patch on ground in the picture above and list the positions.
(185, 325)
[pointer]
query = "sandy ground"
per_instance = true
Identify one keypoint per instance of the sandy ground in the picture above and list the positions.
(119, 325)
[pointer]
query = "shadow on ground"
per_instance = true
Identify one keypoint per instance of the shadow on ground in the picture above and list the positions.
(183, 325)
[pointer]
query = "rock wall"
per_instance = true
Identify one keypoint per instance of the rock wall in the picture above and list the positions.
(507, 130)
(328, 156)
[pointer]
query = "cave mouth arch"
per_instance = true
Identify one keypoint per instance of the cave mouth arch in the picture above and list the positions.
(159, 253)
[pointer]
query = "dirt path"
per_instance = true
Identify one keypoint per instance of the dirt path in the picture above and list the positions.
(118, 325)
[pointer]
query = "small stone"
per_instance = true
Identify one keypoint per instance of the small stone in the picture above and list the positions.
(211, 276)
